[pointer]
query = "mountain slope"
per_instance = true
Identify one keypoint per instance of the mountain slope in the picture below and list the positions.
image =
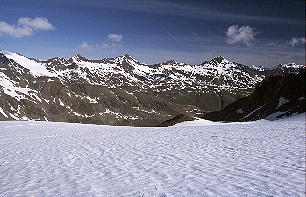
(118, 91)
(275, 97)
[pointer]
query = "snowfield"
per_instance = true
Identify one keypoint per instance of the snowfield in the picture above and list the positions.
(262, 158)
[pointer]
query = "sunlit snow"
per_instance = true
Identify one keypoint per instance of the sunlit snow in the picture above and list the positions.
(200, 158)
(37, 69)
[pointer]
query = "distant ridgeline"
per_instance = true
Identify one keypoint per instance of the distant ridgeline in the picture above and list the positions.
(123, 91)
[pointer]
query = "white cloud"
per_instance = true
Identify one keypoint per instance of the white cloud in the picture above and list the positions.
(25, 27)
(115, 37)
(85, 45)
(115, 42)
(35, 23)
(14, 31)
(104, 45)
(244, 34)
(297, 41)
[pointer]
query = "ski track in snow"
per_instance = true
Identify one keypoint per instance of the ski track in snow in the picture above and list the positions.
(262, 158)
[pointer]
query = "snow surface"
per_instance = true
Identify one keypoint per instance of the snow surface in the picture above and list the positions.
(261, 158)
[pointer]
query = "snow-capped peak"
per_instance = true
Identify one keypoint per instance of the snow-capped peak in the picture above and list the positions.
(123, 57)
(78, 57)
(127, 58)
(36, 68)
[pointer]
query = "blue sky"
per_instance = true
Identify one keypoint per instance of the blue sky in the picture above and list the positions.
(262, 33)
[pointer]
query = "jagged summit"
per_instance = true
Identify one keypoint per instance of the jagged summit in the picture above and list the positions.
(125, 56)
(171, 62)
(218, 59)
(127, 59)
(79, 57)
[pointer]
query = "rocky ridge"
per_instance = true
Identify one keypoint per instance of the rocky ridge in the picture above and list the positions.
(275, 97)
(121, 90)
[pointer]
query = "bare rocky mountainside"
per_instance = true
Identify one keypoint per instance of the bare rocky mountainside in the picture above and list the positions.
(275, 97)
(121, 90)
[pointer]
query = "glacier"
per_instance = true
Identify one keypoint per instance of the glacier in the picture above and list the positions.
(198, 158)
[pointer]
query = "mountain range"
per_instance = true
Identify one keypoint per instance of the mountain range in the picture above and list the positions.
(122, 90)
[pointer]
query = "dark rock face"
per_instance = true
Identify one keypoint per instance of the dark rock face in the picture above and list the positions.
(273, 98)
(177, 119)
(119, 91)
